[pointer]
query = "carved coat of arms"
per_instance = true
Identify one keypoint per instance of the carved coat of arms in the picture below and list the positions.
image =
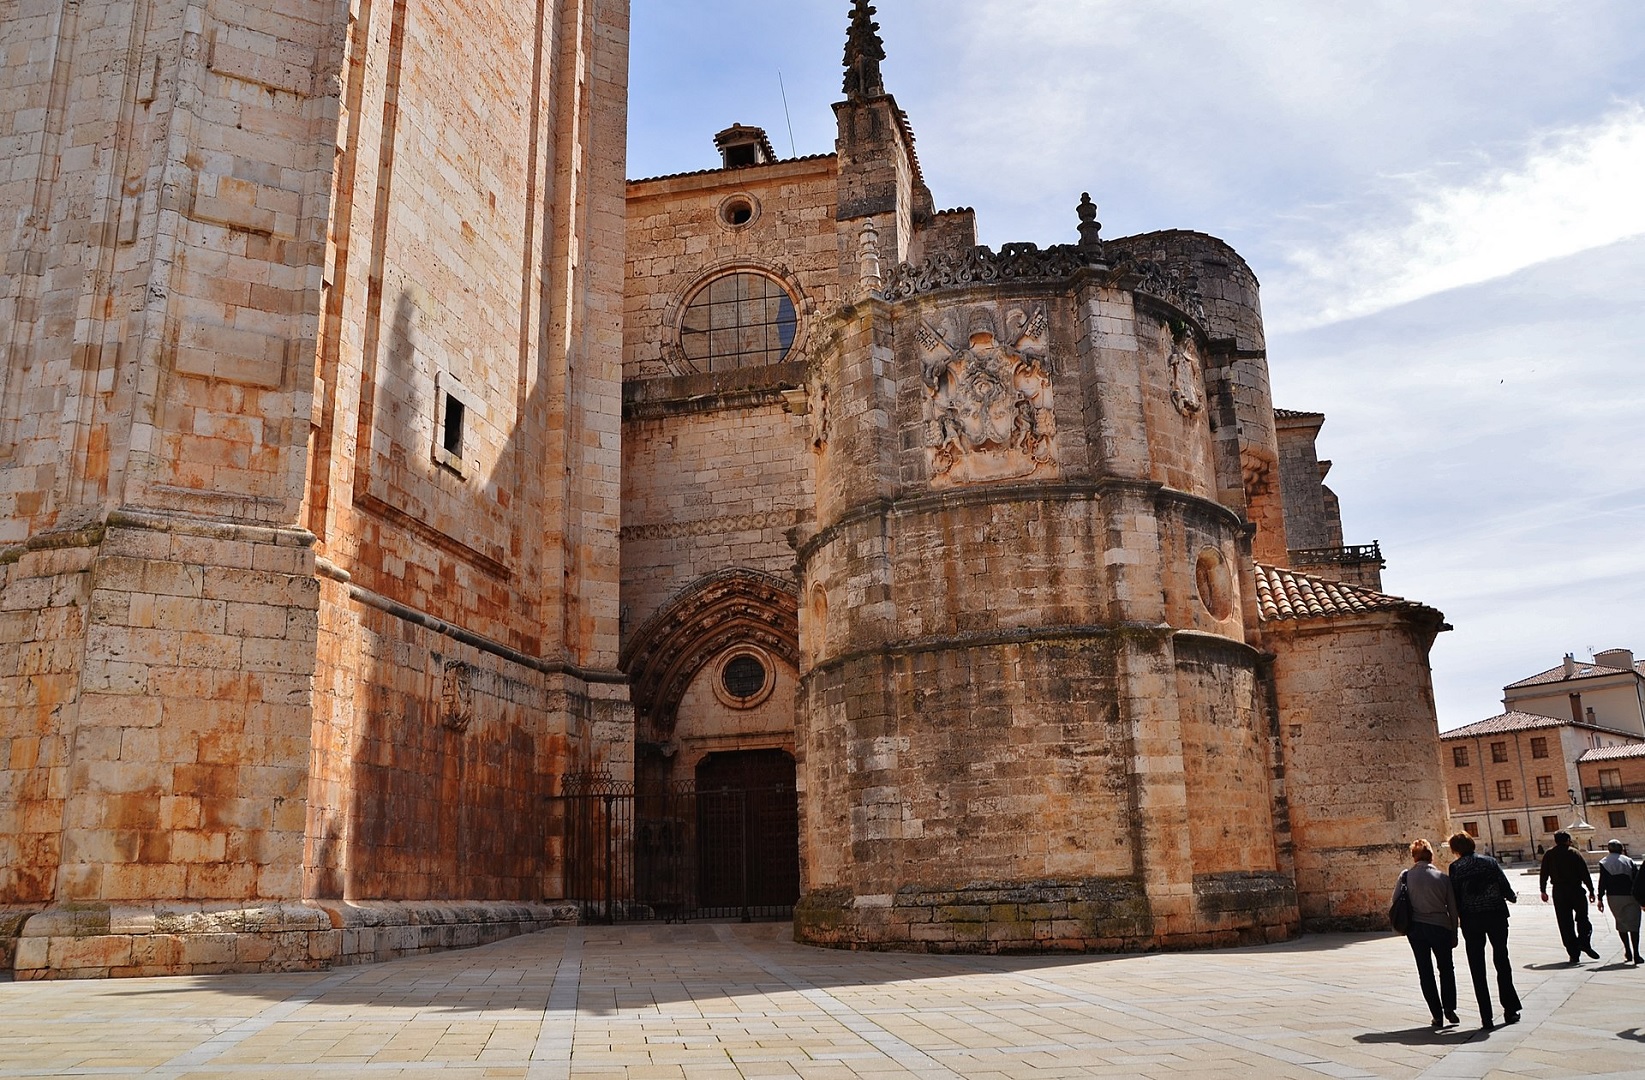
(989, 408)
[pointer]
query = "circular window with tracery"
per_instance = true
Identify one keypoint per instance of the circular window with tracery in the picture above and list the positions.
(744, 678)
(738, 320)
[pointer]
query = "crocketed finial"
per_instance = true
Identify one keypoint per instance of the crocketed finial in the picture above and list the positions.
(863, 52)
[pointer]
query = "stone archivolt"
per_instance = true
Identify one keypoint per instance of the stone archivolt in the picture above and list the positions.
(731, 607)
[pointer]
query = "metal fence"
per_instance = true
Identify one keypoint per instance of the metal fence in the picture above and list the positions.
(671, 852)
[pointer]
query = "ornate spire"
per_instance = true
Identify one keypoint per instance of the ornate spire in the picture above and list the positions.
(863, 52)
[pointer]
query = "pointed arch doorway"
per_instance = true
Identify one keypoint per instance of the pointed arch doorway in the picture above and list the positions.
(712, 825)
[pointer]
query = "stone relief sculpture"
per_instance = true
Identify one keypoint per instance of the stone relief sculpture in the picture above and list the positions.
(989, 399)
(1187, 393)
(457, 696)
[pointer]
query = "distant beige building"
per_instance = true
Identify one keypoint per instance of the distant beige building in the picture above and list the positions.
(415, 533)
(1515, 779)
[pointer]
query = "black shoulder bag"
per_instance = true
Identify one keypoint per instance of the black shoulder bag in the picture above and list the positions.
(1399, 913)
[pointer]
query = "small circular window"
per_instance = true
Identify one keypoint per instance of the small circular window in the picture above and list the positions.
(738, 320)
(744, 678)
(738, 210)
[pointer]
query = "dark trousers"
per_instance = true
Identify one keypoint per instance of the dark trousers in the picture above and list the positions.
(1432, 945)
(1571, 910)
(1476, 929)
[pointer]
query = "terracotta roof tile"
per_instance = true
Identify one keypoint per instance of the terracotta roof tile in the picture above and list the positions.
(1613, 753)
(1291, 594)
(1294, 414)
(723, 169)
(1522, 721)
(1583, 671)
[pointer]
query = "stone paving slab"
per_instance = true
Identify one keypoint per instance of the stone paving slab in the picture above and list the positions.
(742, 1002)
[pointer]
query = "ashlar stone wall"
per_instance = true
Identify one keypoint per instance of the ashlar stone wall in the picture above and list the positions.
(1360, 753)
(279, 631)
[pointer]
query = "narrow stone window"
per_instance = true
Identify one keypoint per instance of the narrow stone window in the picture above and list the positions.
(456, 412)
(453, 436)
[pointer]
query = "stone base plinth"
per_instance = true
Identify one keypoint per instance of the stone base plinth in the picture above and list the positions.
(1092, 915)
(89, 941)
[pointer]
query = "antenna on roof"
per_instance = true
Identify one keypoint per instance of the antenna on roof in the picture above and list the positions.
(793, 151)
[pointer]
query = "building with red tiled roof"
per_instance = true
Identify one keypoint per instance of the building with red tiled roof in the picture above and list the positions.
(1613, 791)
(1569, 749)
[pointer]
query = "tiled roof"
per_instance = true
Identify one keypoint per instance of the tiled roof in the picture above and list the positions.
(1612, 753)
(1294, 414)
(1291, 594)
(1583, 671)
(723, 169)
(1522, 721)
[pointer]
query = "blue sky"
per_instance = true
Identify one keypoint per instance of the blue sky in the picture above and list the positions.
(1445, 204)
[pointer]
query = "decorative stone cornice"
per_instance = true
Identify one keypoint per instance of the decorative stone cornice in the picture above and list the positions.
(1031, 263)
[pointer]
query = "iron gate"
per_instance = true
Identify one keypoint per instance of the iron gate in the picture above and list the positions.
(671, 852)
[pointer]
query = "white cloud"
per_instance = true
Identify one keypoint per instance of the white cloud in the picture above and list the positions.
(1574, 190)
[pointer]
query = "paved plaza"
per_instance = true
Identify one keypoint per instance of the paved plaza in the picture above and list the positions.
(722, 1001)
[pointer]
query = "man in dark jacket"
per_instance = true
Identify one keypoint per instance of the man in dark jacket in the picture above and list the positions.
(1483, 895)
(1573, 892)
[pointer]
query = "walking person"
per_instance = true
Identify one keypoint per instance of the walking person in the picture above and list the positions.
(1616, 884)
(1433, 931)
(1573, 892)
(1482, 897)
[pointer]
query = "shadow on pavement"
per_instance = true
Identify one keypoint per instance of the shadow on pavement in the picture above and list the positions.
(1422, 1036)
(518, 973)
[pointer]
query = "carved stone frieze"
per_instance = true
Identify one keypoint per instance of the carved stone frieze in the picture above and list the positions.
(989, 407)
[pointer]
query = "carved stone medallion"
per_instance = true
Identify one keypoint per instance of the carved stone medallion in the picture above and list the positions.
(988, 408)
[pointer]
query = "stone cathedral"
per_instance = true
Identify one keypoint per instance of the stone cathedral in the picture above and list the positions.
(386, 481)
